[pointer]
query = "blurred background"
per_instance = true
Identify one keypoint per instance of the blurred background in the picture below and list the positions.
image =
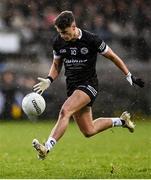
(26, 33)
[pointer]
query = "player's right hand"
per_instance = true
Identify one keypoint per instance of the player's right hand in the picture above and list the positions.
(42, 85)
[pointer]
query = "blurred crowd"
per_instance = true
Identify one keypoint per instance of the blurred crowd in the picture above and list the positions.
(12, 91)
(125, 20)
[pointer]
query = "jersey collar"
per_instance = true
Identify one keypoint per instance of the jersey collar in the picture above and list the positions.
(80, 34)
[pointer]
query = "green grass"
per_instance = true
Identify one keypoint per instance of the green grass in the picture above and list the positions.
(114, 153)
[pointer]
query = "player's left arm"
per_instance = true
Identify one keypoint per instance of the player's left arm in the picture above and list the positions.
(121, 65)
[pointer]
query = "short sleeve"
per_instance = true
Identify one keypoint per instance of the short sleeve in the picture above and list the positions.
(56, 51)
(56, 54)
(100, 45)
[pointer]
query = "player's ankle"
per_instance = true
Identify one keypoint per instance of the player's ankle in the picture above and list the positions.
(116, 122)
(50, 143)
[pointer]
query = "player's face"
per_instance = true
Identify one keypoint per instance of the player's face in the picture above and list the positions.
(67, 34)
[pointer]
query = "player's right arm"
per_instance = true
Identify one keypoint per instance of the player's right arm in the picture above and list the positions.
(55, 69)
(52, 75)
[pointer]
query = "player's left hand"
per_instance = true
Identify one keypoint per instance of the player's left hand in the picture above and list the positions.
(134, 80)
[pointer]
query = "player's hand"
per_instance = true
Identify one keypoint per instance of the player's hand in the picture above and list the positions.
(134, 80)
(42, 85)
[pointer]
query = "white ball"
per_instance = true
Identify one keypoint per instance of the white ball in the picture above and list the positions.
(33, 104)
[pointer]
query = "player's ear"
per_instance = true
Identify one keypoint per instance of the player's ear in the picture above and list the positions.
(73, 26)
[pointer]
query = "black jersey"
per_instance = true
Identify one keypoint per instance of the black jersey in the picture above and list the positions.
(79, 56)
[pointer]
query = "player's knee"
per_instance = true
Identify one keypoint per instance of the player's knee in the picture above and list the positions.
(88, 134)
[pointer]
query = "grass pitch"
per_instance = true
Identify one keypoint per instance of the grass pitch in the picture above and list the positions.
(112, 154)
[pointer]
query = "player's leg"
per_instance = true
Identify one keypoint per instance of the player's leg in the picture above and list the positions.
(74, 103)
(90, 127)
(86, 124)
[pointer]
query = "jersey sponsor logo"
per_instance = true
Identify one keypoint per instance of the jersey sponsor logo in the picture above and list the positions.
(63, 51)
(74, 61)
(84, 50)
(102, 46)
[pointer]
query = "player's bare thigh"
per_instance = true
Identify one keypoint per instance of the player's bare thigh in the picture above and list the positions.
(76, 101)
(84, 119)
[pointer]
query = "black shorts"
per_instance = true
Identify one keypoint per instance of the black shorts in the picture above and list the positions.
(91, 89)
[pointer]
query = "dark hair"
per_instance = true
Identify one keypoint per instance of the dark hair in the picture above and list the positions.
(64, 20)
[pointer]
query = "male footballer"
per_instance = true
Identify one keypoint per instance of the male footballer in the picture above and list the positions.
(77, 50)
